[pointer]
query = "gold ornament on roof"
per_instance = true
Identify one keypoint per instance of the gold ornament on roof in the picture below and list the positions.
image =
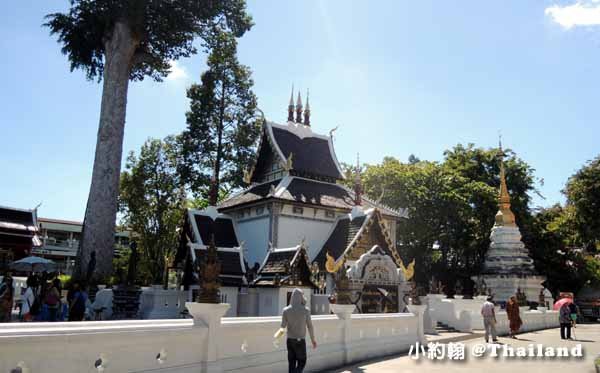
(288, 162)
(409, 271)
(330, 265)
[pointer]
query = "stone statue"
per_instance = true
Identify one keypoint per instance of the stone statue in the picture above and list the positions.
(209, 271)
(342, 287)
(521, 298)
(132, 265)
(542, 298)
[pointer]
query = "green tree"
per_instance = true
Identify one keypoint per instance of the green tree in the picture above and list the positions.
(152, 202)
(221, 127)
(118, 41)
(451, 207)
(583, 197)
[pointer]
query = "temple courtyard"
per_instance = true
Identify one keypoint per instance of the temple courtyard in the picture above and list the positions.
(588, 335)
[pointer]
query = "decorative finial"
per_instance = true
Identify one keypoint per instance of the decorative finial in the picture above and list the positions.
(357, 183)
(299, 109)
(307, 111)
(291, 106)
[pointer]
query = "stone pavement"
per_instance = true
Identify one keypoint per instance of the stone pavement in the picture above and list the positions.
(588, 335)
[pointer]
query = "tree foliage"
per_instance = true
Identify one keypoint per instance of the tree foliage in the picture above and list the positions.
(451, 207)
(222, 130)
(583, 197)
(152, 202)
(162, 30)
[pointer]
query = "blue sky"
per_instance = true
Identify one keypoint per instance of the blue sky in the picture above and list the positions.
(397, 77)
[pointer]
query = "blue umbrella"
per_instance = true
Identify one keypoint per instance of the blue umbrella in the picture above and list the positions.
(33, 264)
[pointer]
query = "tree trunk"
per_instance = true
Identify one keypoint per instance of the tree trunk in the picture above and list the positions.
(99, 223)
(214, 192)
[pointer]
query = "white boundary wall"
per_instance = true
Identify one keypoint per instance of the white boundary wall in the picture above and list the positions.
(205, 344)
(464, 315)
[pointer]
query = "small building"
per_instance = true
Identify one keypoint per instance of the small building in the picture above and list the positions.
(18, 235)
(60, 242)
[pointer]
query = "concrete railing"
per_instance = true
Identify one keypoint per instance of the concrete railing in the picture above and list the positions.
(207, 343)
(464, 315)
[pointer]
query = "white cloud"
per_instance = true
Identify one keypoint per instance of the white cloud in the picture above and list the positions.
(177, 72)
(578, 14)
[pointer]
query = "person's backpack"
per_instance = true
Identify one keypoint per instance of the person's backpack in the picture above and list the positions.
(52, 299)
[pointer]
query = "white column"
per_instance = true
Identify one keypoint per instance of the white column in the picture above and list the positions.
(209, 316)
(344, 313)
(419, 310)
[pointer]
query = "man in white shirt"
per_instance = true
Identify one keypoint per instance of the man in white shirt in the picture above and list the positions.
(489, 319)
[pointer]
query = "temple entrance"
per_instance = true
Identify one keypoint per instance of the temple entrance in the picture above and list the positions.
(376, 279)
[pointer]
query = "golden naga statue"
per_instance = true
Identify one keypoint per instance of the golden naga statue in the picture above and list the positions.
(331, 266)
(408, 272)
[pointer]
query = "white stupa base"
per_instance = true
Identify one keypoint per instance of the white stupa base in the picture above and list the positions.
(505, 286)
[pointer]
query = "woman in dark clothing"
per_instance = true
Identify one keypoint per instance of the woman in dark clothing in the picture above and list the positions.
(6, 299)
(565, 321)
(77, 303)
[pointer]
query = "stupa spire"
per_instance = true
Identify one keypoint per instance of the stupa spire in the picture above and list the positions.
(291, 106)
(299, 108)
(358, 190)
(504, 216)
(307, 111)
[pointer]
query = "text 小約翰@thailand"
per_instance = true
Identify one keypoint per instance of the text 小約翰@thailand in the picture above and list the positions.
(459, 351)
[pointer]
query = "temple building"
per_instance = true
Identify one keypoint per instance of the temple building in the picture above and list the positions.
(18, 235)
(508, 267)
(295, 214)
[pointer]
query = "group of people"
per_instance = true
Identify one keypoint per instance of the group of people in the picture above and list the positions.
(42, 300)
(567, 318)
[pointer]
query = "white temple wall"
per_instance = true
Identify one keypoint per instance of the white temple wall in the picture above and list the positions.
(271, 301)
(232, 344)
(464, 315)
(293, 229)
(255, 235)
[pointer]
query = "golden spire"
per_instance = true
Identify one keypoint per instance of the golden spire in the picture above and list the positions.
(504, 216)
(299, 109)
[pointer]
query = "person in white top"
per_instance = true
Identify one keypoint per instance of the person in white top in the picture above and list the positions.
(27, 301)
(489, 319)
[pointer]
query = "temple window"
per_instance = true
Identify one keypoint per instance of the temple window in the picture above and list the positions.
(298, 210)
(260, 210)
(329, 214)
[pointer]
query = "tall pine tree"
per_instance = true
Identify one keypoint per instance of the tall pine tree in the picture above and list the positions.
(221, 125)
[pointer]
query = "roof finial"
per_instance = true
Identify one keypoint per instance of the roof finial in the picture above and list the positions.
(291, 106)
(299, 109)
(357, 183)
(307, 110)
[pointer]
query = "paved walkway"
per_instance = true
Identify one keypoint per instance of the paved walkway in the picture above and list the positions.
(588, 335)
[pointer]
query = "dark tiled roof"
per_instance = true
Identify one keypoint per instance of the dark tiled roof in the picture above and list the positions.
(16, 219)
(307, 191)
(342, 235)
(221, 228)
(310, 154)
(277, 262)
(252, 194)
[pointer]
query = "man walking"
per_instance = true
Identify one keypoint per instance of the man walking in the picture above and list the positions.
(296, 318)
(489, 320)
